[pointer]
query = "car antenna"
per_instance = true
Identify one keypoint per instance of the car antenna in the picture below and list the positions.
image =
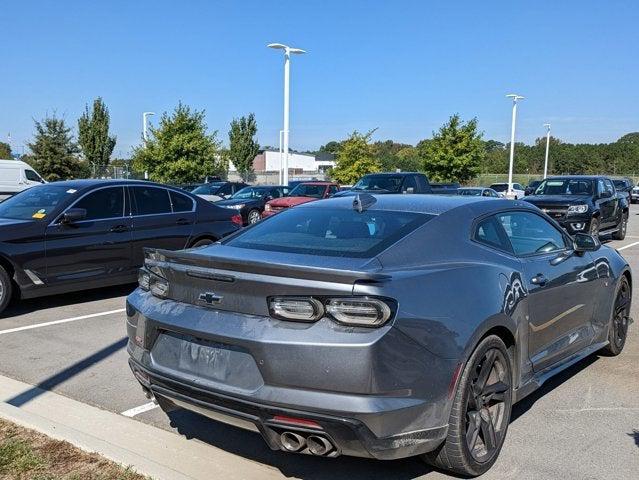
(362, 201)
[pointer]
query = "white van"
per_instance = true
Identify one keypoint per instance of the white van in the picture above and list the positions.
(16, 176)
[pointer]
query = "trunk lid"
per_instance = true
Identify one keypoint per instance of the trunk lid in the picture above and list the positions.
(240, 280)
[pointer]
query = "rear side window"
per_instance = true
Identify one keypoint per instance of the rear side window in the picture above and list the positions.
(103, 203)
(181, 203)
(490, 233)
(531, 234)
(151, 200)
(330, 231)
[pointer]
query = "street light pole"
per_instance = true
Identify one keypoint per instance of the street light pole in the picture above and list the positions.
(145, 134)
(287, 75)
(515, 98)
(547, 125)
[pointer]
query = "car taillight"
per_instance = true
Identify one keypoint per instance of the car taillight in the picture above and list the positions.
(300, 309)
(365, 312)
(144, 279)
(237, 219)
(150, 281)
(355, 311)
(267, 208)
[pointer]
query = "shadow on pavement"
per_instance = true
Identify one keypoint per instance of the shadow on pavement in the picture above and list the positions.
(64, 375)
(251, 446)
(22, 307)
(635, 436)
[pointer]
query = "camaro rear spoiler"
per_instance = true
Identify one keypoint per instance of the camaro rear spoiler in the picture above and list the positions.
(211, 266)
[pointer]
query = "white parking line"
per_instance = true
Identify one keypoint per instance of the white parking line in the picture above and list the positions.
(58, 322)
(141, 409)
(628, 246)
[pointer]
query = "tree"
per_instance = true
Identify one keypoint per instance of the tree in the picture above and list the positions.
(242, 146)
(93, 135)
(180, 150)
(455, 152)
(54, 151)
(330, 147)
(354, 159)
(5, 151)
(630, 138)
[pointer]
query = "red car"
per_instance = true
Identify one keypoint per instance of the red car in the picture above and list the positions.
(303, 193)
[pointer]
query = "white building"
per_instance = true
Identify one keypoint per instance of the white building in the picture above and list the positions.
(269, 161)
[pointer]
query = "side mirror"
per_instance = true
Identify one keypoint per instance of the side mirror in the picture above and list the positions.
(582, 242)
(73, 215)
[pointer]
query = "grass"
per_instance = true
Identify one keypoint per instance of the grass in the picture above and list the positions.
(29, 455)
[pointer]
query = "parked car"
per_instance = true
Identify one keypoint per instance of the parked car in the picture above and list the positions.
(532, 186)
(624, 186)
(16, 176)
(583, 204)
(216, 191)
(81, 234)
(478, 192)
(294, 183)
(518, 190)
(333, 328)
(384, 183)
(250, 201)
(445, 188)
(303, 193)
(634, 194)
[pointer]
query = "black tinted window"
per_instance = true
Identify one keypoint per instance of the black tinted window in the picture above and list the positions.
(103, 203)
(330, 231)
(181, 203)
(529, 233)
(32, 176)
(151, 200)
(490, 233)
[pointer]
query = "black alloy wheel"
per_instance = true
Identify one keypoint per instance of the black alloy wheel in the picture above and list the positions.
(622, 228)
(618, 330)
(480, 414)
(254, 217)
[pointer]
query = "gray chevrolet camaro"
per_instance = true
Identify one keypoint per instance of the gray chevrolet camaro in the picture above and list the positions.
(380, 327)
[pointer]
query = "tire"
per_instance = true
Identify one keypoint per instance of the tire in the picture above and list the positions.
(618, 329)
(6, 289)
(254, 216)
(622, 227)
(478, 412)
(203, 242)
(594, 227)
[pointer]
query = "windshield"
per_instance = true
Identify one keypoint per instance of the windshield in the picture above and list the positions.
(619, 184)
(379, 182)
(565, 186)
(330, 231)
(208, 189)
(475, 192)
(35, 202)
(308, 190)
(250, 192)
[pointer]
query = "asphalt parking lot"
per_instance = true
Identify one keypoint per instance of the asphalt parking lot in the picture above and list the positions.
(583, 424)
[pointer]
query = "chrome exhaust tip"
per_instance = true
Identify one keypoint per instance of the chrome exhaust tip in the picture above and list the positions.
(292, 441)
(318, 445)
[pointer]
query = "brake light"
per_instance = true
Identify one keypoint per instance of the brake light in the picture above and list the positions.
(237, 220)
(364, 312)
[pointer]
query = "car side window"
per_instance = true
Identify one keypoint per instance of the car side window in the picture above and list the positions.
(103, 204)
(275, 193)
(32, 176)
(490, 233)
(332, 190)
(531, 234)
(151, 200)
(226, 189)
(609, 186)
(409, 185)
(517, 186)
(181, 203)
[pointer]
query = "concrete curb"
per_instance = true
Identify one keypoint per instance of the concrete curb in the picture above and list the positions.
(148, 450)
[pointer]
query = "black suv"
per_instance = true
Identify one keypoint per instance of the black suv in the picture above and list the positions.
(583, 204)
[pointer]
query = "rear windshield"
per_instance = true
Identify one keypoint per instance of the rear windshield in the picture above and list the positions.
(380, 182)
(499, 187)
(331, 232)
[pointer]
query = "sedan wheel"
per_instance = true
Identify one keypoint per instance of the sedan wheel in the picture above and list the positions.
(618, 329)
(254, 217)
(480, 414)
(6, 289)
(620, 234)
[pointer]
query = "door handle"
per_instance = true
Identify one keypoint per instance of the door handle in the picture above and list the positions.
(539, 280)
(119, 229)
(183, 221)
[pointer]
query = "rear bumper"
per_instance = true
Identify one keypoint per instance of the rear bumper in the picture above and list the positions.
(347, 436)
(375, 394)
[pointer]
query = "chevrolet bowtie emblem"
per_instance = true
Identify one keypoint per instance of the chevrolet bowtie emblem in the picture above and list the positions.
(209, 298)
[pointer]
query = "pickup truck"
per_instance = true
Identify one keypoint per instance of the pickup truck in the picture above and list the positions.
(381, 183)
(582, 203)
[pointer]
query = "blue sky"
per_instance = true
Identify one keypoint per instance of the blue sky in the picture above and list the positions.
(400, 66)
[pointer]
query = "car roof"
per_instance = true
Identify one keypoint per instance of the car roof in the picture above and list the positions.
(429, 204)
(318, 182)
(392, 174)
(85, 184)
(577, 177)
